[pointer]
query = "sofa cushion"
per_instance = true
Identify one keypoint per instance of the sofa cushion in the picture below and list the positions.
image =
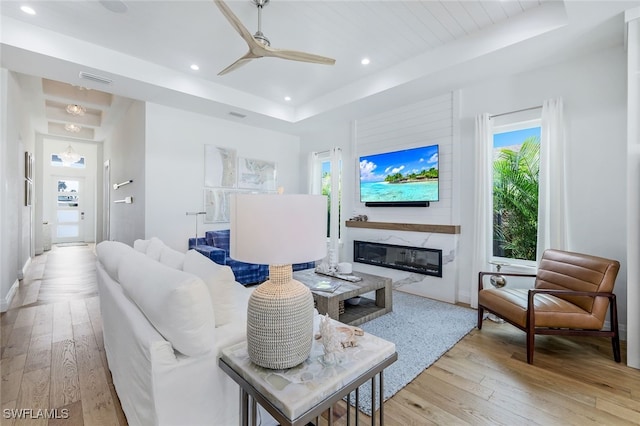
(219, 280)
(221, 239)
(176, 303)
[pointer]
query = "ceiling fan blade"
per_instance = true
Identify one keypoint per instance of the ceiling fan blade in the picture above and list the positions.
(240, 62)
(294, 55)
(235, 22)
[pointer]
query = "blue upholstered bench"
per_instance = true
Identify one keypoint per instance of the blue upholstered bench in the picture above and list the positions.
(215, 245)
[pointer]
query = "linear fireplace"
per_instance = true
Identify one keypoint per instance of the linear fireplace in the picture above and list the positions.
(413, 259)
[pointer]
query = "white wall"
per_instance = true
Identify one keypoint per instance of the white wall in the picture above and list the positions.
(633, 196)
(125, 150)
(429, 122)
(16, 223)
(594, 92)
(174, 165)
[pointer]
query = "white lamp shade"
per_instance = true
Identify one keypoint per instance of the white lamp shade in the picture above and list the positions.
(277, 229)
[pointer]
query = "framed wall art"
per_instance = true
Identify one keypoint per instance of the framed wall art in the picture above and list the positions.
(256, 174)
(220, 167)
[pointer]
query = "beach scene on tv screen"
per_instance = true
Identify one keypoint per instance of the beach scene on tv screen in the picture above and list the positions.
(407, 175)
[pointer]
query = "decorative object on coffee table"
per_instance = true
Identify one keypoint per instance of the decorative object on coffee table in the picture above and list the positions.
(279, 230)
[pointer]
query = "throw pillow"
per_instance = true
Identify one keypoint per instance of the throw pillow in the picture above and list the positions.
(172, 258)
(141, 245)
(177, 304)
(220, 282)
(109, 254)
(155, 247)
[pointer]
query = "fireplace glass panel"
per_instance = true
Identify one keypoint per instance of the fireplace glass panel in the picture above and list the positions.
(413, 259)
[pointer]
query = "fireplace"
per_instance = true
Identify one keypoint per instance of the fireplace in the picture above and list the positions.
(412, 259)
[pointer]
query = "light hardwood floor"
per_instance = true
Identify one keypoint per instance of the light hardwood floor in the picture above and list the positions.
(52, 356)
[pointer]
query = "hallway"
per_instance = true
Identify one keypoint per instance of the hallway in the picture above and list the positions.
(52, 349)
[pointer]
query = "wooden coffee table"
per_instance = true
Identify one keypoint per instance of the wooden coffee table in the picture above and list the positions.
(366, 310)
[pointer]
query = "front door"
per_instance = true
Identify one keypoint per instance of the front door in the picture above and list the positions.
(69, 217)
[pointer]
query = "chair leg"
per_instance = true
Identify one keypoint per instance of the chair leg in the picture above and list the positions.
(615, 340)
(531, 336)
(530, 329)
(480, 316)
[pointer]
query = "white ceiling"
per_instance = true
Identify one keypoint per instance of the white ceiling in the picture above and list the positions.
(416, 48)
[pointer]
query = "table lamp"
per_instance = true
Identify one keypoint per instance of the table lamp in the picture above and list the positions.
(279, 230)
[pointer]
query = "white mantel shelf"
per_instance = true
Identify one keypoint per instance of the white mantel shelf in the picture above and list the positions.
(415, 227)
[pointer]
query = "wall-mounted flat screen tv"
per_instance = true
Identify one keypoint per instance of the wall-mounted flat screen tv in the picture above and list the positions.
(397, 177)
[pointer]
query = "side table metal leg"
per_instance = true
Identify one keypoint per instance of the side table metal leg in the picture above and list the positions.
(349, 409)
(245, 408)
(373, 401)
(357, 404)
(382, 398)
(330, 413)
(254, 411)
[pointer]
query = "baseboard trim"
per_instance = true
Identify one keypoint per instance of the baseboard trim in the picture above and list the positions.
(22, 273)
(6, 302)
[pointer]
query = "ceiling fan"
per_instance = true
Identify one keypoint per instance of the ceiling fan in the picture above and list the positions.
(259, 45)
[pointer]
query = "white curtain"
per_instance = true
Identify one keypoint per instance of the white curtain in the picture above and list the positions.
(552, 211)
(482, 202)
(314, 178)
(334, 156)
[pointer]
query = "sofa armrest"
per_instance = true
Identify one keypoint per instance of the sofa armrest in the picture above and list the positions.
(213, 253)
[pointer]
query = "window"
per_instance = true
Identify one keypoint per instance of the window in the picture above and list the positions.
(325, 165)
(516, 166)
(325, 168)
(56, 161)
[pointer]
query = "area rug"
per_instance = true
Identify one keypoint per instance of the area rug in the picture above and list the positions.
(423, 330)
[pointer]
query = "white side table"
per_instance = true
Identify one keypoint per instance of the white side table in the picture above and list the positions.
(299, 395)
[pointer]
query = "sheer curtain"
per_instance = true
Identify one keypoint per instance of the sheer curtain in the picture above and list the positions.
(482, 202)
(552, 211)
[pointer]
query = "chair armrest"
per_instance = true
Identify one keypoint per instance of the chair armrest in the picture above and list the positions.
(216, 254)
(558, 292)
(504, 274)
(196, 242)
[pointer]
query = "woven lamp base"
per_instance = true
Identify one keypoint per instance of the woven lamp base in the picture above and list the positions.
(280, 321)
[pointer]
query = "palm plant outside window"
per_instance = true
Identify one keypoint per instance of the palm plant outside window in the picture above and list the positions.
(516, 166)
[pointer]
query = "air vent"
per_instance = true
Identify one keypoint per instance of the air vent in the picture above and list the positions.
(237, 114)
(96, 78)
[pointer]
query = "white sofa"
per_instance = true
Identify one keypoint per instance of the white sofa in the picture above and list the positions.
(164, 329)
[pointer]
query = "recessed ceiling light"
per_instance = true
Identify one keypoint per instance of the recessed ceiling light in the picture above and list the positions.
(28, 10)
(287, 98)
(195, 67)
(365, 61)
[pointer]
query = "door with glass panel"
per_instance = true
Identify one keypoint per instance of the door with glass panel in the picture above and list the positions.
(69, 217)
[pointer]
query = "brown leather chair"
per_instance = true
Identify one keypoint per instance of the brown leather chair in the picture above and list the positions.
(570, 297)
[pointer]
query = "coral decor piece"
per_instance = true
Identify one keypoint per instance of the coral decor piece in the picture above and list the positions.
(330, 340)
(336, 339)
